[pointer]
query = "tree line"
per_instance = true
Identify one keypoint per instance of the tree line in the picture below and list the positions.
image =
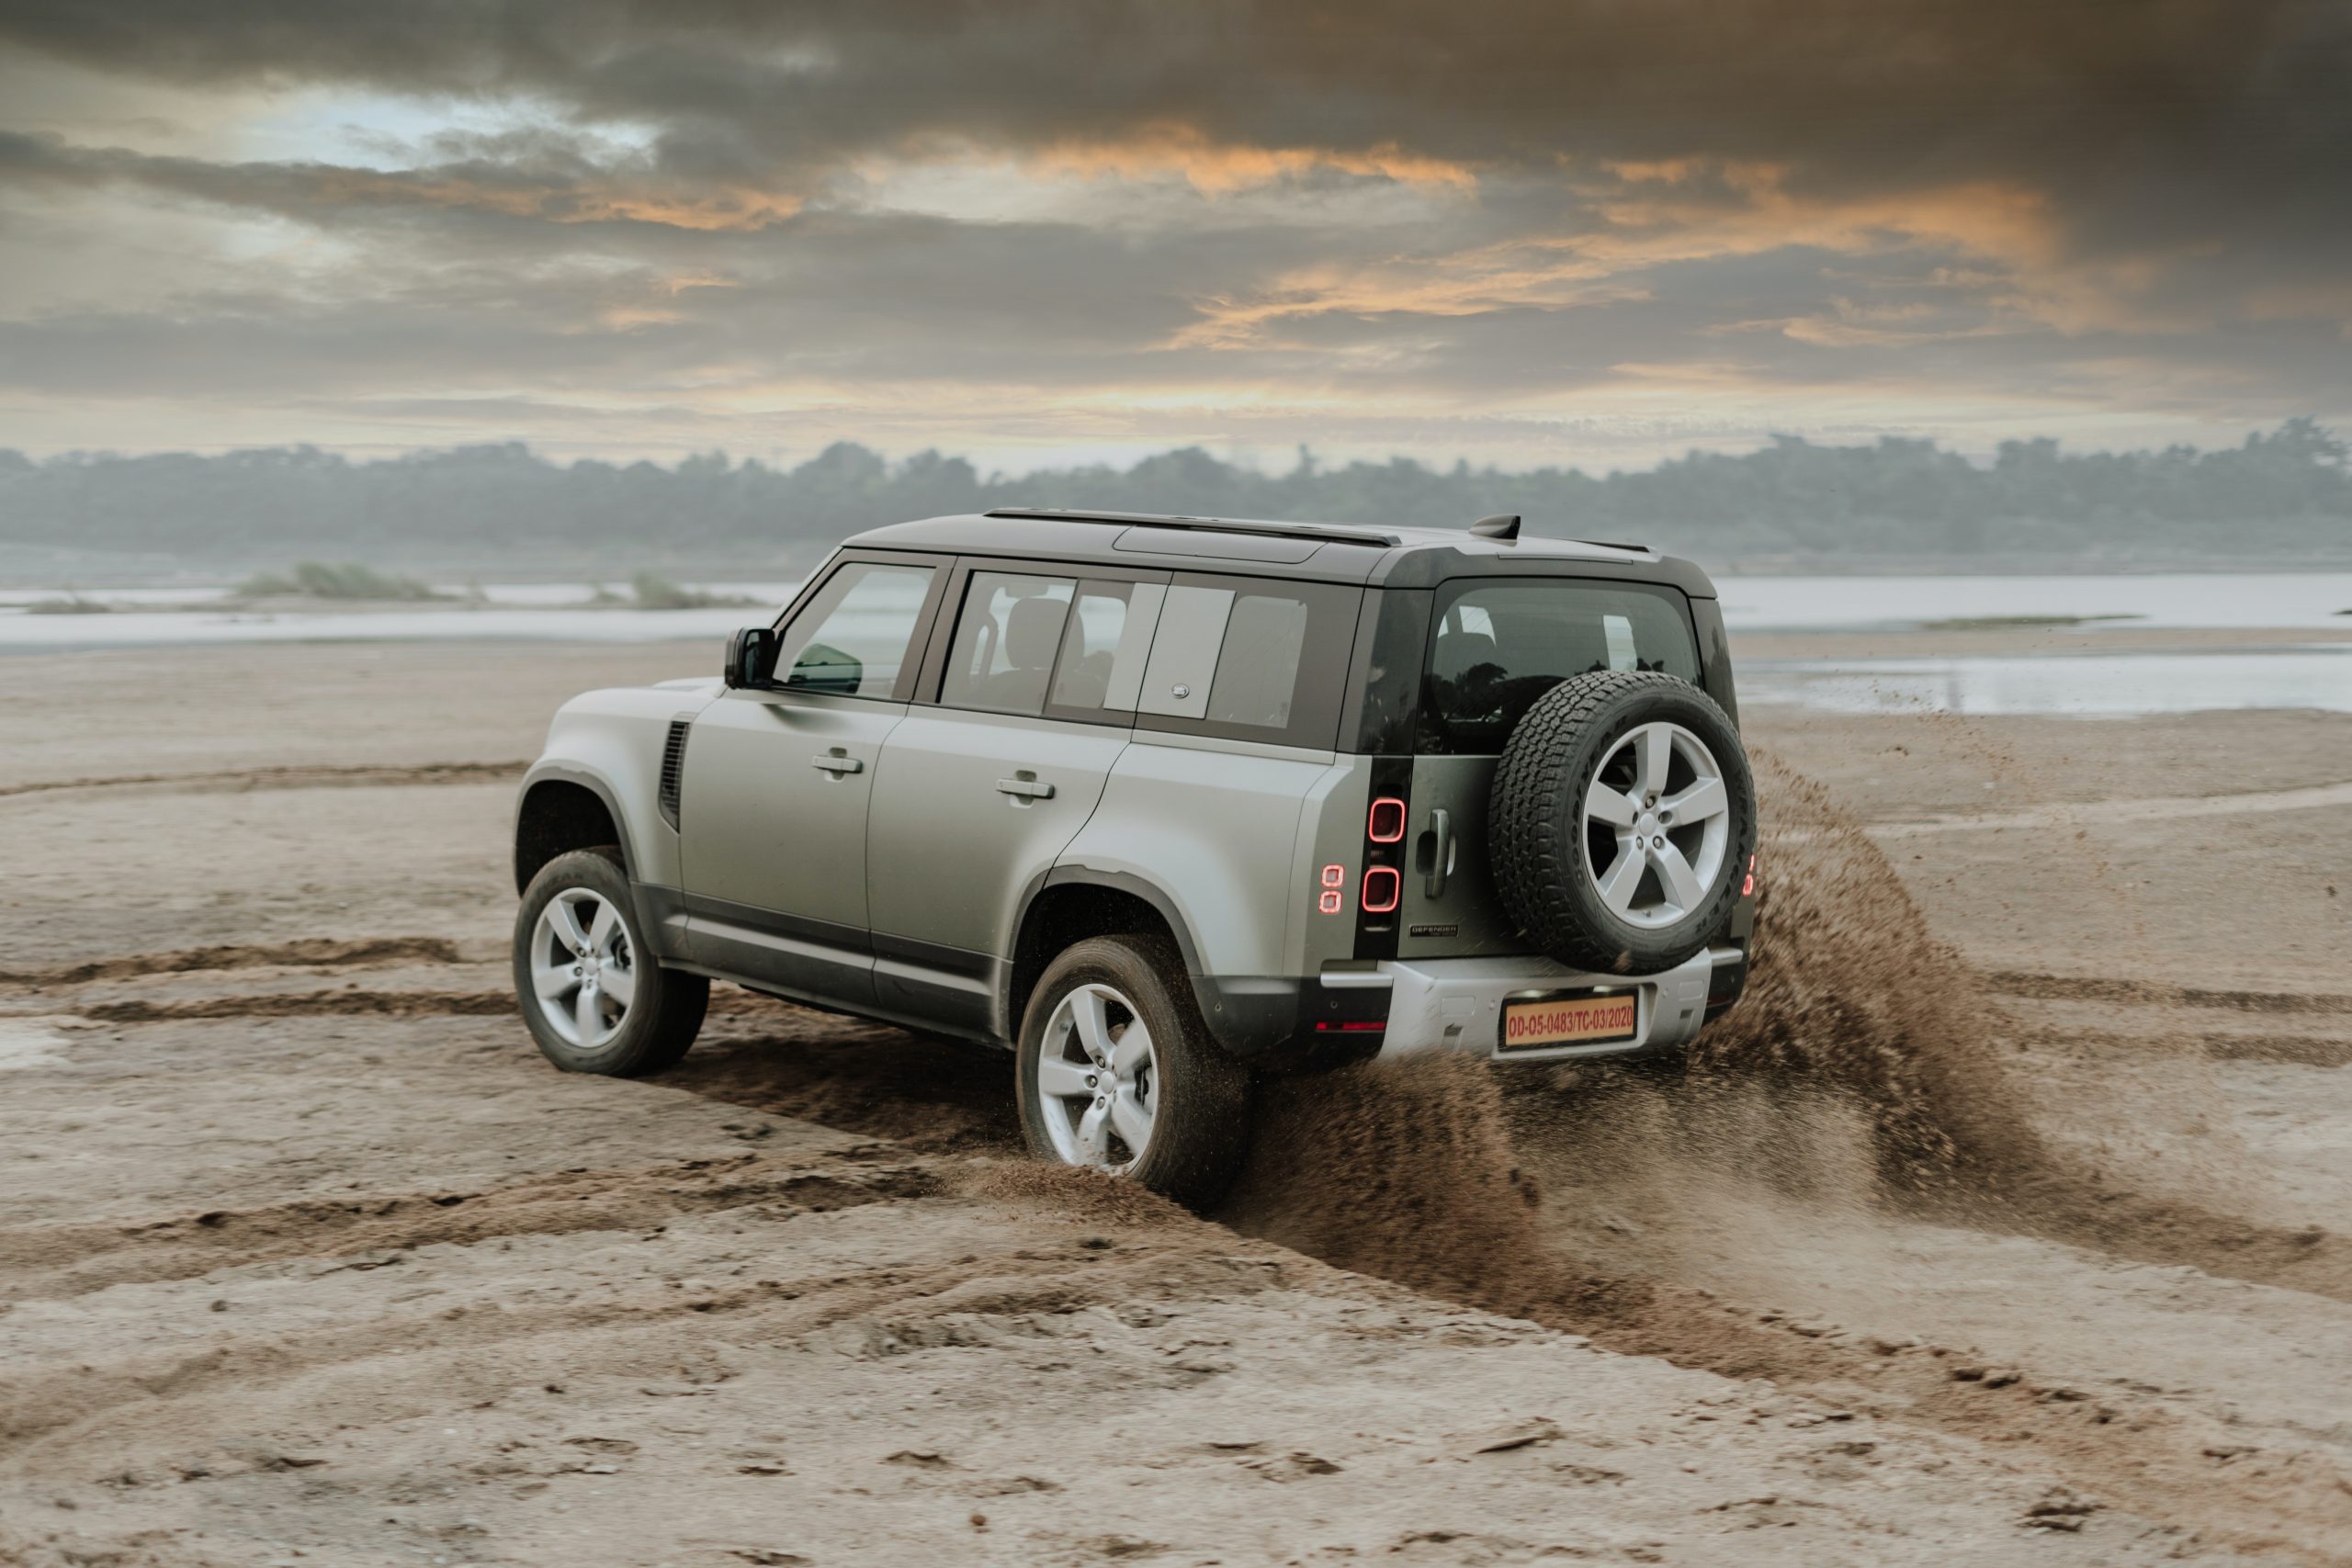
(2282, 494)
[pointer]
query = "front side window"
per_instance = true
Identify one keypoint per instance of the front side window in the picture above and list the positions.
(1496, 645)
(851, 640)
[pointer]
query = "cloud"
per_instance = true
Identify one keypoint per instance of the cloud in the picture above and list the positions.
(1509, 207)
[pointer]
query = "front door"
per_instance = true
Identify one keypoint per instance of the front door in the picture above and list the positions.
(980, 795)
(777, 785)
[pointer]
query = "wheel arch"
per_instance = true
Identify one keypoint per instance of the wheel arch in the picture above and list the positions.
(1248, 1016)
(562, 809)
(1068, 904)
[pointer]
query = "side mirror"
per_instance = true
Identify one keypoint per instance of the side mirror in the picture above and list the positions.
(750, 656)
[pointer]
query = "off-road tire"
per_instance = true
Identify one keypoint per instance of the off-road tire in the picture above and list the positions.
(1536, 825)
(664, 1015)
(1201, 1131)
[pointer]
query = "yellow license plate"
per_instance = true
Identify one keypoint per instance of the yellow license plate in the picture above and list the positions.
(1569, 1020)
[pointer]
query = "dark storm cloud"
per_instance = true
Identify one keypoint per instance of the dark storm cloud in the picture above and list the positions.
(1495, 200)
(2152, 118)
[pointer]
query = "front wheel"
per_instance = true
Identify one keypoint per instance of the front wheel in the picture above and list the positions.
(1117, 1072)
(592, 994)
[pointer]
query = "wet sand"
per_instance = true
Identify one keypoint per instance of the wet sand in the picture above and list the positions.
(306, 1255)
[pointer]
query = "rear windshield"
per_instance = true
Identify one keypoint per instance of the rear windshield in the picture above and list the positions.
(1497, 644)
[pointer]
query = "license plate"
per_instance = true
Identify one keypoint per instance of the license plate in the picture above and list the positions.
(1569, 1020)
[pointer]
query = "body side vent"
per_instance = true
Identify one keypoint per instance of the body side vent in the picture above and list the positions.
(674, 768)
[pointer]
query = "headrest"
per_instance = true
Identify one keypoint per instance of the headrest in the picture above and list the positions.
(1033, 630)
(1457, 653)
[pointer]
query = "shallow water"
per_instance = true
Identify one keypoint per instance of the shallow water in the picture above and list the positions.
(21, 633)
(2313, 676)
(2173, 599)
(2084, 685)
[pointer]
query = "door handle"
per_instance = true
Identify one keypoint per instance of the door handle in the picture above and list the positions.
(835, 763)
(1442, 852)
(1025, 789)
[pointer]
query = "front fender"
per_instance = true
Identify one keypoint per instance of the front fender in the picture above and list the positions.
(610, 743)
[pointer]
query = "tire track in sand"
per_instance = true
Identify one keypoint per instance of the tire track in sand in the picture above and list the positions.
(2157, 993)
(308, 953)
(60, 1260)
(233, 781)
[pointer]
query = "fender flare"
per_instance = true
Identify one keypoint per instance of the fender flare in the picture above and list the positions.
(594, 784)
(1247, 1016)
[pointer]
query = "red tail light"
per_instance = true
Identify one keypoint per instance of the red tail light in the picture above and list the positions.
(1387, 824)
(1383, 887)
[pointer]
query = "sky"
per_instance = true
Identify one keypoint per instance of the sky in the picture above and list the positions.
(1595, 232)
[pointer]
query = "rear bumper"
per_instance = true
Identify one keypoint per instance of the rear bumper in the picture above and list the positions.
(1456, 1004)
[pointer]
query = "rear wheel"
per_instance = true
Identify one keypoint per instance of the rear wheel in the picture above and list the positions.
(592, 994)
(1116, 1072)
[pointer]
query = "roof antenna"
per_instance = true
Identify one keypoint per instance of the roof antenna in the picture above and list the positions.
(1503, 525)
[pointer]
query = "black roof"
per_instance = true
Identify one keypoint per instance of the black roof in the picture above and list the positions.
(1331, 552)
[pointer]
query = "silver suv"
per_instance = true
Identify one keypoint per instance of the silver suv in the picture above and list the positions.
(1162, 804)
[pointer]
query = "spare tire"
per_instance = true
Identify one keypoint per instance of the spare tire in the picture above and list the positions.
(1621, 821)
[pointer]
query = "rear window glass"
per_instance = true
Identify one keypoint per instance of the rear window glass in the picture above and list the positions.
(1496, 645)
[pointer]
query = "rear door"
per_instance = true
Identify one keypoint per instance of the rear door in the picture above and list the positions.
(1496, 644)
(978, 793)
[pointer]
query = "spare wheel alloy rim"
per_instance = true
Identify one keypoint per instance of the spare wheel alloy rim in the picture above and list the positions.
(1657, 826)
(584, 968)
(1098, 1079)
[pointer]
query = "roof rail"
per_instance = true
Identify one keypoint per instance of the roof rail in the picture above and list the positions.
(1331, 532)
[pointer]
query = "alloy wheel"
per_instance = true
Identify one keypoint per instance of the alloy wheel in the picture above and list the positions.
(1656, 825)
(1098, 1079)
(583, 967)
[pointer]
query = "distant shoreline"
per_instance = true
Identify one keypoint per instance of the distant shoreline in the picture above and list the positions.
(28, 567)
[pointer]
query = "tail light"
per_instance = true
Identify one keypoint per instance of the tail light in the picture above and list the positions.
(1387, 822)
(1383, 887)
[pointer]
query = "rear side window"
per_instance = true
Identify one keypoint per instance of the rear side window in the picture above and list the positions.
(1251, 659)
(1496, 645)
(1006, 640)
(1099, 646)
(1058, 647)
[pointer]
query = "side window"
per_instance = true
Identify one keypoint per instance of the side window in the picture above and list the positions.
(1499, 645)
(1006, 640)
(1257, 669)
(851, 640)
(1056, 645)
(1099, 646)
(1251, 659)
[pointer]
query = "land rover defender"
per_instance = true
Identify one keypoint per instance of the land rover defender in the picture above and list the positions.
(1162, 804)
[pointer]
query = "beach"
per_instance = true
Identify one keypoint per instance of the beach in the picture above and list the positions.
(311, 1258)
